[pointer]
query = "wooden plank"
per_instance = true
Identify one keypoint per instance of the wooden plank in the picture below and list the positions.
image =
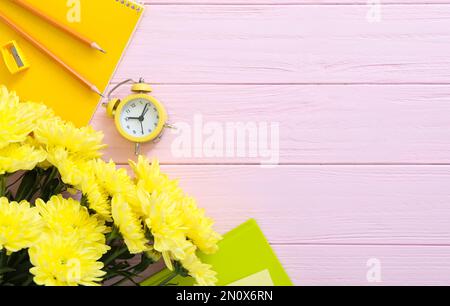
(290, 44)
(319, 265)
(347, 265)
(315, 265)
(317, 123)
(326, 204)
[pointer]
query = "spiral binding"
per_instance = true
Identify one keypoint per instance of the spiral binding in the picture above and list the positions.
(131, 4)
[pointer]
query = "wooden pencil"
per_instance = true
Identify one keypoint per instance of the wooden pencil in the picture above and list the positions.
(44, 49)
(59, 25)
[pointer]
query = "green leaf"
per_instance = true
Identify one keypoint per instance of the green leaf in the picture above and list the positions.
(18, 278)
(18, 259)
(52, 184)
(6, 270)
(9, 195)
(28, 281)
(27, 185)
(50, 189)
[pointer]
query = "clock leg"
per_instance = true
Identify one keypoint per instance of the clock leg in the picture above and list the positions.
(137, 148)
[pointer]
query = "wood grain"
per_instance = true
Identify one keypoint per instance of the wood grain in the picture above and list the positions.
(290, 44)
(317, 124)
(364, 132)
(326, 204)
(346, 265)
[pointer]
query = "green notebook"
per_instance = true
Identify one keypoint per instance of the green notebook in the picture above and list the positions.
(243, 252)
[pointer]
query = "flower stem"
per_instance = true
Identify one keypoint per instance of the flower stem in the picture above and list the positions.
(114, 256)
(169, 278)
(2, 185)
(129, 278)
(53, 173)
(113, 235)
(3, 260)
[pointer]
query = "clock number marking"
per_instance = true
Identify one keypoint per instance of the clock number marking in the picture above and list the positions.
(140, 118)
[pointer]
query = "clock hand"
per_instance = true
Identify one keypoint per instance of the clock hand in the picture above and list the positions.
(144, 111)
(135, 118)
(142, 127)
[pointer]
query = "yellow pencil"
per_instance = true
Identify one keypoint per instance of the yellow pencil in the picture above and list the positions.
(44, 49)
(58, 24)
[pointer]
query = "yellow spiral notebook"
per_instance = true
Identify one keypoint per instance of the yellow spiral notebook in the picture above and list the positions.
(111, 23)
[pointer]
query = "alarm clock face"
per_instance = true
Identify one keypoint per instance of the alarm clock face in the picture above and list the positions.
(139, 118)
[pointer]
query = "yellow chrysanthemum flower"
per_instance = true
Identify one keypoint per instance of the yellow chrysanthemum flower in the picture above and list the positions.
(129, 224)
(68, 166)
(83, 142)
(201, 272)
(116, 182)
(66, 243)
(98, 199)
(171, 216)
(199, 226)
(17, 120)
(20, 225)
(153, 254)
(149, 175)
(61, 260)
(78, 173)
(113, 180)
(67, 216)
(144, 169)
(166, 225)
(16, 156)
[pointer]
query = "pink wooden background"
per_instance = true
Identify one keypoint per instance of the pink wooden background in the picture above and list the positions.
(364, 112)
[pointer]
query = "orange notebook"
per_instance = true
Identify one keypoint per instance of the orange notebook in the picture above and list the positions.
(110, 23)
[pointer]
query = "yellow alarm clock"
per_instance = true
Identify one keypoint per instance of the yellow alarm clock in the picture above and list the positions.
(139, 117)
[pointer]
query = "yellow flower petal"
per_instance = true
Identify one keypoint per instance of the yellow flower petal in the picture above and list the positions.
(129, 224)
(20, 225)
(61, 260)
(83, 142)
(15, 157)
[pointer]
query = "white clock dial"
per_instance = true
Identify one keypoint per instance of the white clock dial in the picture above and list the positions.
(139, 117)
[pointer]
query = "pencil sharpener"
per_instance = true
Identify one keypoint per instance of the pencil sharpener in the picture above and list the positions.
(14, 58)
